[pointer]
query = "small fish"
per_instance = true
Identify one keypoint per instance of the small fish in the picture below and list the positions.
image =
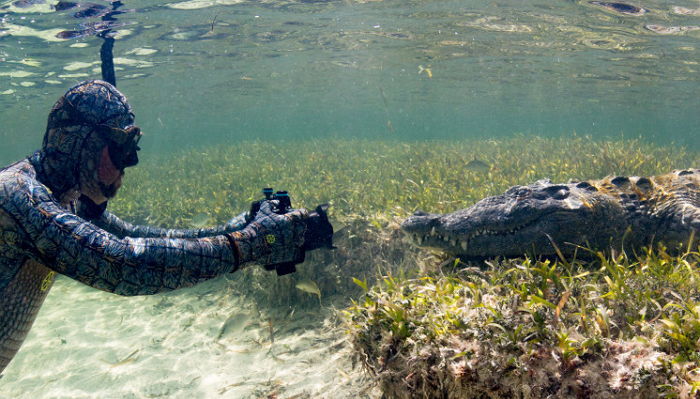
(130, 358)
(476, 165)
(234, 324)
(426, 70)
(200, 221)
(311, 287)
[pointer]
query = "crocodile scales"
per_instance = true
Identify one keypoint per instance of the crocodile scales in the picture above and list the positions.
(614, 213)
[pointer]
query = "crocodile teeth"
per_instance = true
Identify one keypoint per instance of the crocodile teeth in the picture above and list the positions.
(432, 231)
(486, 232)
(453, 242)
(419, 239)
(464, 245)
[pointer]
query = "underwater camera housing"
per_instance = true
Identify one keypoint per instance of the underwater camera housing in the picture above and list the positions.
(319, 231)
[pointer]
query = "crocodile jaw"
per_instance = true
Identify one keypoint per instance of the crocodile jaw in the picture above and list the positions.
(520, 222)
(480, 241)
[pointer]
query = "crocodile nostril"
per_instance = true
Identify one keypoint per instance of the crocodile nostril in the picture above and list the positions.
(557, 192)
(560, 194)
(420, 213)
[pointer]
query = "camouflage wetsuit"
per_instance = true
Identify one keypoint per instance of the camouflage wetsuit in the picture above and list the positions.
(53, 220)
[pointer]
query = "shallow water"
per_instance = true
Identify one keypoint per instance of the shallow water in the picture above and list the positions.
(203, 342)
(203, 73)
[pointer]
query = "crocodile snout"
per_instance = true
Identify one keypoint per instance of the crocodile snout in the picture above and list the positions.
(420, 222)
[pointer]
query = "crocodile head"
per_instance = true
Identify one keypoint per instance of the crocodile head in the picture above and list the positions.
(528, 219)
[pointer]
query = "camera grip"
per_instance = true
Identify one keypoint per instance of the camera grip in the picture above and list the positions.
(318, 234)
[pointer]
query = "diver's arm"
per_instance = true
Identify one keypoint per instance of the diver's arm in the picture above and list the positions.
(80, 250)
(121, 228)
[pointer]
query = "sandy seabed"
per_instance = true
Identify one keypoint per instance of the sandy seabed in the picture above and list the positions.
(203, 342)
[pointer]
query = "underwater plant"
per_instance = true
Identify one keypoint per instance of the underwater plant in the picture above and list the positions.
(619, 325)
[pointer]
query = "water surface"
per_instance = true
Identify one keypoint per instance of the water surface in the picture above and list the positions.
(205, 72)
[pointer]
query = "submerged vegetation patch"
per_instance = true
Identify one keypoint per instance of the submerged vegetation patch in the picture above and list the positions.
(364, 178)
(620, 326)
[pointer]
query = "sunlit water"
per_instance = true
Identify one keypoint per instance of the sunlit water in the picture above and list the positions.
(203, 342)
(218, 70)
(206, 72)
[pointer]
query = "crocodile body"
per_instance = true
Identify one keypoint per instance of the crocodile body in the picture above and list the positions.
(614, 213)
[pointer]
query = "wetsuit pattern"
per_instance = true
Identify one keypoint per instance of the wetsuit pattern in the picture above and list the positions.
(40, 237)
(44, 229)
(121, 228)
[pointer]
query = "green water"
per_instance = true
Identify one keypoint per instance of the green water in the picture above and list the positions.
(257, 72)
(313, 69)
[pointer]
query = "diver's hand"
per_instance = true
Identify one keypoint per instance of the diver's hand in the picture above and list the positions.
(237, 222)
(271, 238)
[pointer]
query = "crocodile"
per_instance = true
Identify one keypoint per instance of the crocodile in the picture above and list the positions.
(616, 213)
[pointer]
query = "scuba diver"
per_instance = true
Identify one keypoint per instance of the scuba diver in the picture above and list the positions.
(53, 219)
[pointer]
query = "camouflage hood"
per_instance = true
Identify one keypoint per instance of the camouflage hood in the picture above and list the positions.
(73, 139)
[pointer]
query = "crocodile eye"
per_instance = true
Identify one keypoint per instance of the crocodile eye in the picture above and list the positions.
(513, 190)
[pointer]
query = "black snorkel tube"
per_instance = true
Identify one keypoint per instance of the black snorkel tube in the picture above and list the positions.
(107, 36)
(91, 210)
(319, 231)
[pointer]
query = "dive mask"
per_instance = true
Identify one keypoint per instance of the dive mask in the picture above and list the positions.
(123, 144)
